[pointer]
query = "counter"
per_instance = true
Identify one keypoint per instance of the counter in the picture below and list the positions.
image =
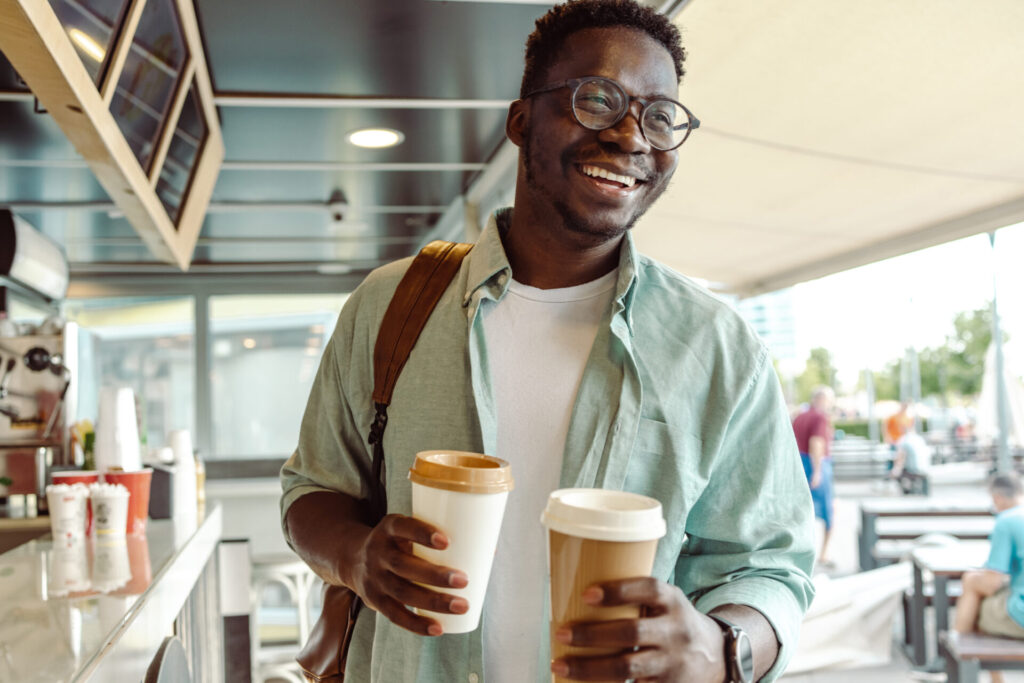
(99, 610)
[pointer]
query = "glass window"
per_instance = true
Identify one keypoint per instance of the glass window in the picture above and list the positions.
(182, 155)
(150, 78)
(264, 354)
(90, 26)
(143, 343)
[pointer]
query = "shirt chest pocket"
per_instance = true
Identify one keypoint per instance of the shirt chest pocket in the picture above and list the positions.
(665, 460)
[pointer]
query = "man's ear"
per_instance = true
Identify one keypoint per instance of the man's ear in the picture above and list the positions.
(517, 121)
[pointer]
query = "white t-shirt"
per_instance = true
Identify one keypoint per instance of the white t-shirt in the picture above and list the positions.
(538, 342)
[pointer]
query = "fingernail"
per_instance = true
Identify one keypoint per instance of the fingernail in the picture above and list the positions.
(438, 540)
(593, 595)
(459, 606)
(435, 630)
(559, 668)
(458, 580)
(563, 635)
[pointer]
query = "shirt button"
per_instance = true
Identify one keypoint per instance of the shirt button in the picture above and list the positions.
(473, 678)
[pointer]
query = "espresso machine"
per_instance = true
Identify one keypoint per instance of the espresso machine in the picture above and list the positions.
(37, 407)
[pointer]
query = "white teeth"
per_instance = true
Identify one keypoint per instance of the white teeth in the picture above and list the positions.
(596, 172)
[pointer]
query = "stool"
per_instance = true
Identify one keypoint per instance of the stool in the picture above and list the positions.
(299, 580)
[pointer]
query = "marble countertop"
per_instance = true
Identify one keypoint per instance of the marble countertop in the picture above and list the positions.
(66, 608)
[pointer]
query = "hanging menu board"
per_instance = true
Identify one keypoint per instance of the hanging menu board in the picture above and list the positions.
(127, 82)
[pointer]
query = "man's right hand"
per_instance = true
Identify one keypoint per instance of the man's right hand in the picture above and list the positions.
(327, 531)
(386, 574)
(815, 479)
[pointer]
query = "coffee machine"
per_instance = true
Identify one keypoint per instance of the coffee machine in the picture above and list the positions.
(37, 407)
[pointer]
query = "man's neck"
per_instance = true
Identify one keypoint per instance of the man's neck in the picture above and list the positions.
(552, 257)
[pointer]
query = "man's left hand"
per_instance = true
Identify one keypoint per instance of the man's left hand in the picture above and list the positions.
(671, 642)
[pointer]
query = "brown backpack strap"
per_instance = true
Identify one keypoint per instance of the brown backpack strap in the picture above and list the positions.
(414, 300)
(418, 293)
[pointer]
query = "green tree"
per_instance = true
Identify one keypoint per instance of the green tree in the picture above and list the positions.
(956, 367)
(967, 348)
(818, 370)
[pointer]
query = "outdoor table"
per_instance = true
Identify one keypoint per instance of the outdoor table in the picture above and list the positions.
(872, 510)
(944, 563)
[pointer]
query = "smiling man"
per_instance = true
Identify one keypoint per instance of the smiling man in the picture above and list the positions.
(584, 364)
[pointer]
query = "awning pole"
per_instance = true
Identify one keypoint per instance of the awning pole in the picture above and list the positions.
(1002, 403)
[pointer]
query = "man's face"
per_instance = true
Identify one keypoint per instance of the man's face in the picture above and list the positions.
(561, 156)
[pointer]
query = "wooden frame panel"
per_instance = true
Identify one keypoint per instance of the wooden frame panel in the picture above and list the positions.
(167, 134)
(121, 50)
(37, 46)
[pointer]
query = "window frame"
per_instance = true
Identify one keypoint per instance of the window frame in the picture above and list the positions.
(200, 288)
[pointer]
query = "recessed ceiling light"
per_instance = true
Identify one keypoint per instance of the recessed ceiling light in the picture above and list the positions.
(376, 137)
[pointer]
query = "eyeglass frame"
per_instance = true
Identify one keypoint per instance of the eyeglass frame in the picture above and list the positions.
(575, 84)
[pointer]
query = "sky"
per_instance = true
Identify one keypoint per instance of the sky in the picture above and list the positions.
(867, 316)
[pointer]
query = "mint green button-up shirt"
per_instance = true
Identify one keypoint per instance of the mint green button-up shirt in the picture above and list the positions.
(678, 401)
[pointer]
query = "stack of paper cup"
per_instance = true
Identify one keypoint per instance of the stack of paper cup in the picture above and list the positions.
(463, 495)
(110, 509)
(67, 510)
(186, 505)
(117, 436)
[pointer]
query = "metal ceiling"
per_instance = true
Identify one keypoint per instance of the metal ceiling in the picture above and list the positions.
(292, 81)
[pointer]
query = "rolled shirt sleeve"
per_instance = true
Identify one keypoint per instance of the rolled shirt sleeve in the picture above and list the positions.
(330, 438)
(750, 534)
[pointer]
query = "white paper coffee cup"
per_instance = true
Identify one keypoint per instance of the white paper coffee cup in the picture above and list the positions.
(463, 495)
(66, 504)
(109, 509)
(596, 535)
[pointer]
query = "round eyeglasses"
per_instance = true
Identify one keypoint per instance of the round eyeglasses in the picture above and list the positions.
(599, 103)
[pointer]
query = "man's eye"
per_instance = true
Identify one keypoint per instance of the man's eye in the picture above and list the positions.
(597, 100)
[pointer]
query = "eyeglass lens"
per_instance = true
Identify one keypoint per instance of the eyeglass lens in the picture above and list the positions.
(598, 104)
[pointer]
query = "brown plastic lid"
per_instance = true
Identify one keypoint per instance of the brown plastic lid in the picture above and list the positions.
(461, 471)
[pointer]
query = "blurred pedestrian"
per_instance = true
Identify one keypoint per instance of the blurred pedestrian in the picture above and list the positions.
(813, 431)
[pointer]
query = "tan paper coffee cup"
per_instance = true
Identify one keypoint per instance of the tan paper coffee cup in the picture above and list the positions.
(596, 535)
(463, 495)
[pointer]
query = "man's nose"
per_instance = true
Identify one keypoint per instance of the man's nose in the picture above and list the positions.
(627, 133)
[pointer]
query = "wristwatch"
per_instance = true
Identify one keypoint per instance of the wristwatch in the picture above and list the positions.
(739, 655)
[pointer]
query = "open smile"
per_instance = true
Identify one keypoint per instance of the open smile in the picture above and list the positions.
(609, 182)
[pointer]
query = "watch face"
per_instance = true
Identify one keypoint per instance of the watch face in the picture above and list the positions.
(743, 658)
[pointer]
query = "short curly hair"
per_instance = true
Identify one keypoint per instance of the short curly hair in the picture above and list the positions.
(561, 21)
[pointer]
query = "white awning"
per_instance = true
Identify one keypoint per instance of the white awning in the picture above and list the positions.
(835, 134)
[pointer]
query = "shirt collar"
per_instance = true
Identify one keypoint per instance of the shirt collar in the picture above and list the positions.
(490, 272)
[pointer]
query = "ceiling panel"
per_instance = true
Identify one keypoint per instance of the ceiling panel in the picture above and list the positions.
(867, 129)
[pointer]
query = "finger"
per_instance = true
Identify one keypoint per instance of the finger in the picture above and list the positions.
(417, 596)
(400, 615)
(614, 633)
(643, 590)
(417, 569)
(646, 663)
(412, 529)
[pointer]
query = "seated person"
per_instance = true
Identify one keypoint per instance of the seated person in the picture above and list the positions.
(897, 424)
(912, 459)
(993, 597)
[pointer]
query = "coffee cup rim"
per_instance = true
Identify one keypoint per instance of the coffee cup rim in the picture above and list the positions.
(461, 471)
(636, 517)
